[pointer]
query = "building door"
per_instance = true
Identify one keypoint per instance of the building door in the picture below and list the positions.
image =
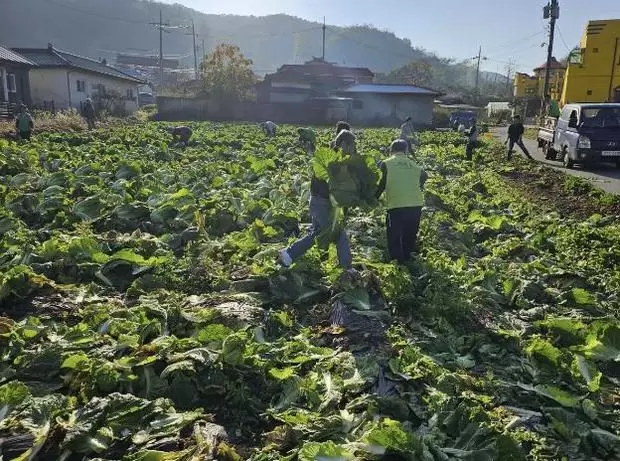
(617, 94)
(4, 91)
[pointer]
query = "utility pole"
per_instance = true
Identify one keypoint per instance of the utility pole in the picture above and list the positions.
(551, 12)
(478, 68)
(324, 29)
(161, 49)
(204, 53)
(195, 51)
(509, 69)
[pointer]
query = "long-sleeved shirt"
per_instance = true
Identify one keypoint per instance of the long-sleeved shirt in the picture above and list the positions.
(406, 130)
(319, 188)
(515, 131)
(473, 135)
(384, 176)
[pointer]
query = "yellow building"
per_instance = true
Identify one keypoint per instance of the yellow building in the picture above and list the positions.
(527, 86)
(593, 73)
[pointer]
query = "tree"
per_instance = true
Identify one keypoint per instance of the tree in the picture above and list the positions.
(227, 75)
(415, 73)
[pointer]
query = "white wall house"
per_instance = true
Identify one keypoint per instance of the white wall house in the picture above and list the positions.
(498, 107)
(377, 104)
(66, 80)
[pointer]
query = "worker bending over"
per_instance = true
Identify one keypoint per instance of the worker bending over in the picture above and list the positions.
(269, 128)
(340, 127)
(402, 180)
(307, 139)
(180, 134)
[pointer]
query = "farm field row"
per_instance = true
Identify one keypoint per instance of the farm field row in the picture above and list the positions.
(145, 318)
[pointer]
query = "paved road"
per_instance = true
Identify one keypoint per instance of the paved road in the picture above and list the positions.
(606, 176)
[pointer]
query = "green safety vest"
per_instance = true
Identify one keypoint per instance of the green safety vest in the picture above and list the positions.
(403, 188)
(23, 122)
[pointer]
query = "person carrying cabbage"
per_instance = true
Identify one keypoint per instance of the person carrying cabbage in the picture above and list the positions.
(322, 214)
(402, 181)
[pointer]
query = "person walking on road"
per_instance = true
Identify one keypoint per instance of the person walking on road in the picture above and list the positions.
(515, 136)
(24, 123)
(402, 180)
(320, 211)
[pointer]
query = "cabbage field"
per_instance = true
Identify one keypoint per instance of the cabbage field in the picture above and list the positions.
(143, 316)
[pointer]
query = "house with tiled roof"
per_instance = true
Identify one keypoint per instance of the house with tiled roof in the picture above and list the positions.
(14, 79)
(67, 79)
(531, 86)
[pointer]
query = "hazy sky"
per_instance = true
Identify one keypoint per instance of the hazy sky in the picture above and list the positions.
(506, 29)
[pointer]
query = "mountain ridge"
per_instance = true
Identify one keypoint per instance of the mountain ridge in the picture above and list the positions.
(103, 29)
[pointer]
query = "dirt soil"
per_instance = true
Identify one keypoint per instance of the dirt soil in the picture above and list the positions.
(550, 190)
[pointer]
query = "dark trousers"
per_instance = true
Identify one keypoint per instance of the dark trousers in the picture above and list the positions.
(402, 225)
(25, 135)
(91, 123)
(469, 149)
(519, 142)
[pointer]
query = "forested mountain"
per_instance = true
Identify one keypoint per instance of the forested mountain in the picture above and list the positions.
(101, 28)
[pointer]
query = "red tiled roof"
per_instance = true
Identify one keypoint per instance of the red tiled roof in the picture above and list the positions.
(555, 64)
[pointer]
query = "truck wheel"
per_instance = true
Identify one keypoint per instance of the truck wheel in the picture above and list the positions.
(549, 153)
(568, 162)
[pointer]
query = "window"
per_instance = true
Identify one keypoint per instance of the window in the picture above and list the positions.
(589, 92)
(576, 56)
(81, 86)
(566, 113)
(11, 84)
(601, 117)
(357, 104)
(594, 50)
(130, 93)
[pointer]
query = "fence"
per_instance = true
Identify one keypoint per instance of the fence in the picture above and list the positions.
(7, 110)
(177, 108)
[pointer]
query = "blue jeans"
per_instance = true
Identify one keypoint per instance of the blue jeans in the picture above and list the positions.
(319, 212)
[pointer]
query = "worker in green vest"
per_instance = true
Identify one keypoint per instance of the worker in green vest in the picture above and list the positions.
(307, 140)
(402, 180)
(24, 123)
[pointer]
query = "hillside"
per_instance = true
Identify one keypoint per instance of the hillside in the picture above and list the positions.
(101, 29)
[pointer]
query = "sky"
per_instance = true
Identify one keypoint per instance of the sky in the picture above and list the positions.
(507, 30)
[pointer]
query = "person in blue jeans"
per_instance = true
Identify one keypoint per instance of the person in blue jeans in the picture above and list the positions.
(320, 210)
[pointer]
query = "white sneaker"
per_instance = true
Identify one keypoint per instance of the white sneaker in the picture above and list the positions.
(284, 258)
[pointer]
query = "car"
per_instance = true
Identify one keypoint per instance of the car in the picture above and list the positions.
(467, 118)
(145, 99)
(585, 134)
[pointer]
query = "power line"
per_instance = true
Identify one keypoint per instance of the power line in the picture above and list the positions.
(501, 48)
(525, 45)
(564, 41)
(90, 13)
